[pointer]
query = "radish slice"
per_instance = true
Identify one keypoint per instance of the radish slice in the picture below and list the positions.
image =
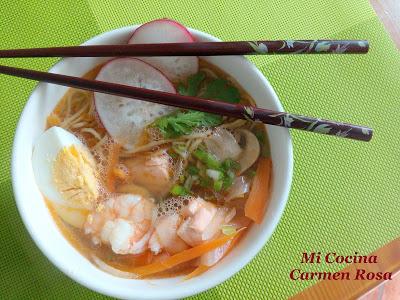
(167, 31)
(124, 118)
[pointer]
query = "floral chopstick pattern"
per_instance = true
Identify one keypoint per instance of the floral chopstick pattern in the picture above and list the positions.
(301, 122)
(308, 46)
(315, 125)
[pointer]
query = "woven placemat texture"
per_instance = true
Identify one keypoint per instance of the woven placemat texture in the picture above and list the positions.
(345, 194)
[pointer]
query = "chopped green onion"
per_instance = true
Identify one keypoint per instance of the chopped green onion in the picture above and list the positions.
(202, 169)
(178, 190)
(222, 174)
(228, 180)
(228, 229)
(206, 182)
(192, 170)
(214, 174)
(207, 158)
(189, 182)
(230, 164)
(218, 185)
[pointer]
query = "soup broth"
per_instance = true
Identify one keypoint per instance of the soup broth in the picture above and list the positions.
(190, 172)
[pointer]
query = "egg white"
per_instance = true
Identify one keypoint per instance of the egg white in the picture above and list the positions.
(45, 152)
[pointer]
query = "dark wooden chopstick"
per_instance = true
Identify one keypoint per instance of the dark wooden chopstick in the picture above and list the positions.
(198, 49)
(266, 116)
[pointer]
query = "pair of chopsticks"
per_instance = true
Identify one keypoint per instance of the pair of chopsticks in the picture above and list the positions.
(266, 116)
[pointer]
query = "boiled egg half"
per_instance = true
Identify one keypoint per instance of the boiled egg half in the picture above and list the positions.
(66, 173)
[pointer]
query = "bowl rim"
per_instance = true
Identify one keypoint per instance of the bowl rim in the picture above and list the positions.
(240, 262)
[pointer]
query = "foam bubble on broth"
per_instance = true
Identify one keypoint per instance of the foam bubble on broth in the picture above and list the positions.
(172, 206)
(101, 156)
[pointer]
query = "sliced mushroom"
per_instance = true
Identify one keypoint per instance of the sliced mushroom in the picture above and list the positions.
(223, 144)
(250, 149)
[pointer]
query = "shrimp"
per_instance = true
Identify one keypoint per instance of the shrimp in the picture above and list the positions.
(124, 222)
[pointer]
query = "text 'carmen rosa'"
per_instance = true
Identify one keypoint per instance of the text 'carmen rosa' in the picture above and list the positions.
(359, 273)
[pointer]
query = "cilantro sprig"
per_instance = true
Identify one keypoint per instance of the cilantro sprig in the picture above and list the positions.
(183, 123)
(216, 89)
(193, 85)
(221, 89)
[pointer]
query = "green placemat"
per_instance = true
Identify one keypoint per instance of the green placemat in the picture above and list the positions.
(344, 196)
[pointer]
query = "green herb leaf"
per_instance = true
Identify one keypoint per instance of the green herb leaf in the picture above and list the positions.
(183, 123)
(217, 89)
(193, 85)
(221, 89)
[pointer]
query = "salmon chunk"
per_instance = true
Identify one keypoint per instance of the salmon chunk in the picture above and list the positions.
(153, 171)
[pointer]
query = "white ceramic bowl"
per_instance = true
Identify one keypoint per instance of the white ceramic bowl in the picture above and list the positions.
(48, 238)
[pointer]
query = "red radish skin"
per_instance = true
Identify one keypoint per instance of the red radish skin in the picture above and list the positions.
(189, 36)
(123, 118)
(167, 31)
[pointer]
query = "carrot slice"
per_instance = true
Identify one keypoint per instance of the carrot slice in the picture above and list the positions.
(196, 272)
(257, 200)
(182, 257)
(203, 268)
(113, 157)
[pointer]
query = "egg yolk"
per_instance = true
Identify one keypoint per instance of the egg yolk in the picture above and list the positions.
(76, 176)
